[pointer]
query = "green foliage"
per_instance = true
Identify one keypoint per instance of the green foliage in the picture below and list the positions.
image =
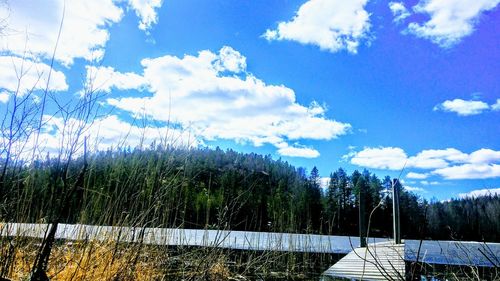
(212, 188)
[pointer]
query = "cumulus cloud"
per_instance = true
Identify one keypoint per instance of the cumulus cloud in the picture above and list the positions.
(449, 20)
(399, 11)
(463, 107)
(413, 175)
(467, 107)
(469, 171)
(23, 75)
(324, 182)
(110, 129)
(332, 25)
(391, 158)
(415, 189)
(230, 60)
(496, 106)
(146, 10)
(32, 27)
(429, 182)
(297, 151)
(480, 192)
(214, 96)
(104, 78)
(484, 156)
(448, 163)
(109, 132)
(4, 97)
(436, 158)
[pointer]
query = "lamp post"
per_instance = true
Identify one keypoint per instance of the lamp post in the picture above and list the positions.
(362, 217)
(395, 212)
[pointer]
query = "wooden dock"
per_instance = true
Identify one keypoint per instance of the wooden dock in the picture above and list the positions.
(230, 239)
(460, 253)
(377, 261)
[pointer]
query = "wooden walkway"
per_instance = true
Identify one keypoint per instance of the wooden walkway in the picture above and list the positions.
(241, 240)
(431, 252)
(378, 261)
(386, 260)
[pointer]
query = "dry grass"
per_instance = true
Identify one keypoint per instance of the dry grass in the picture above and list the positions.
(219, 271)
(90, 261)
(111, 261)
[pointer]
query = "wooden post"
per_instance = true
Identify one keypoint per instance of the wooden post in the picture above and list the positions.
(395, 212)
(362, 217)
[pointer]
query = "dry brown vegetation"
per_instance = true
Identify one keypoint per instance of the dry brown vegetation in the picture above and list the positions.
(90, 260)
(109, 260)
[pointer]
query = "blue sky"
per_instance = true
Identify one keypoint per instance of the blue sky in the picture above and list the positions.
(358, 84)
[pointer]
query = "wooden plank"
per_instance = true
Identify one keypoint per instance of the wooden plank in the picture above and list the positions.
(242, 240)
(432, 252)
(378, 261)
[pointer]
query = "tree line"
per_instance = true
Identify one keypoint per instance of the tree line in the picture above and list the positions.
(215, 188)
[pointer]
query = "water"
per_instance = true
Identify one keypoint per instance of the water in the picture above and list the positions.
(453, 252)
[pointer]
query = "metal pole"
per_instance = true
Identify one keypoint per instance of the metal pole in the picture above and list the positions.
(362, 217)
(395, 212)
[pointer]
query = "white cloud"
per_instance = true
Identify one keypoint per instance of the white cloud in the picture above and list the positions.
(230, 60)
(484, 156)
(469, 171)
(33, 27)
(463, 107)
(146, 11)
(294, 151)
(496, 106)
(102, 134)
(212, 94)
(399, 11)
(33, 76)
(415, 189)
(429, 182)
(332, 25)
(413, 175)
(105, 78)
(324, 182)
(4, 97)
(436, 158)
(480, 192)
(391, 158)
(109, 131)
(448, 163)
(450, 20)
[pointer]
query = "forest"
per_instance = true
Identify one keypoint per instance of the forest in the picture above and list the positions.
(224, 189)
